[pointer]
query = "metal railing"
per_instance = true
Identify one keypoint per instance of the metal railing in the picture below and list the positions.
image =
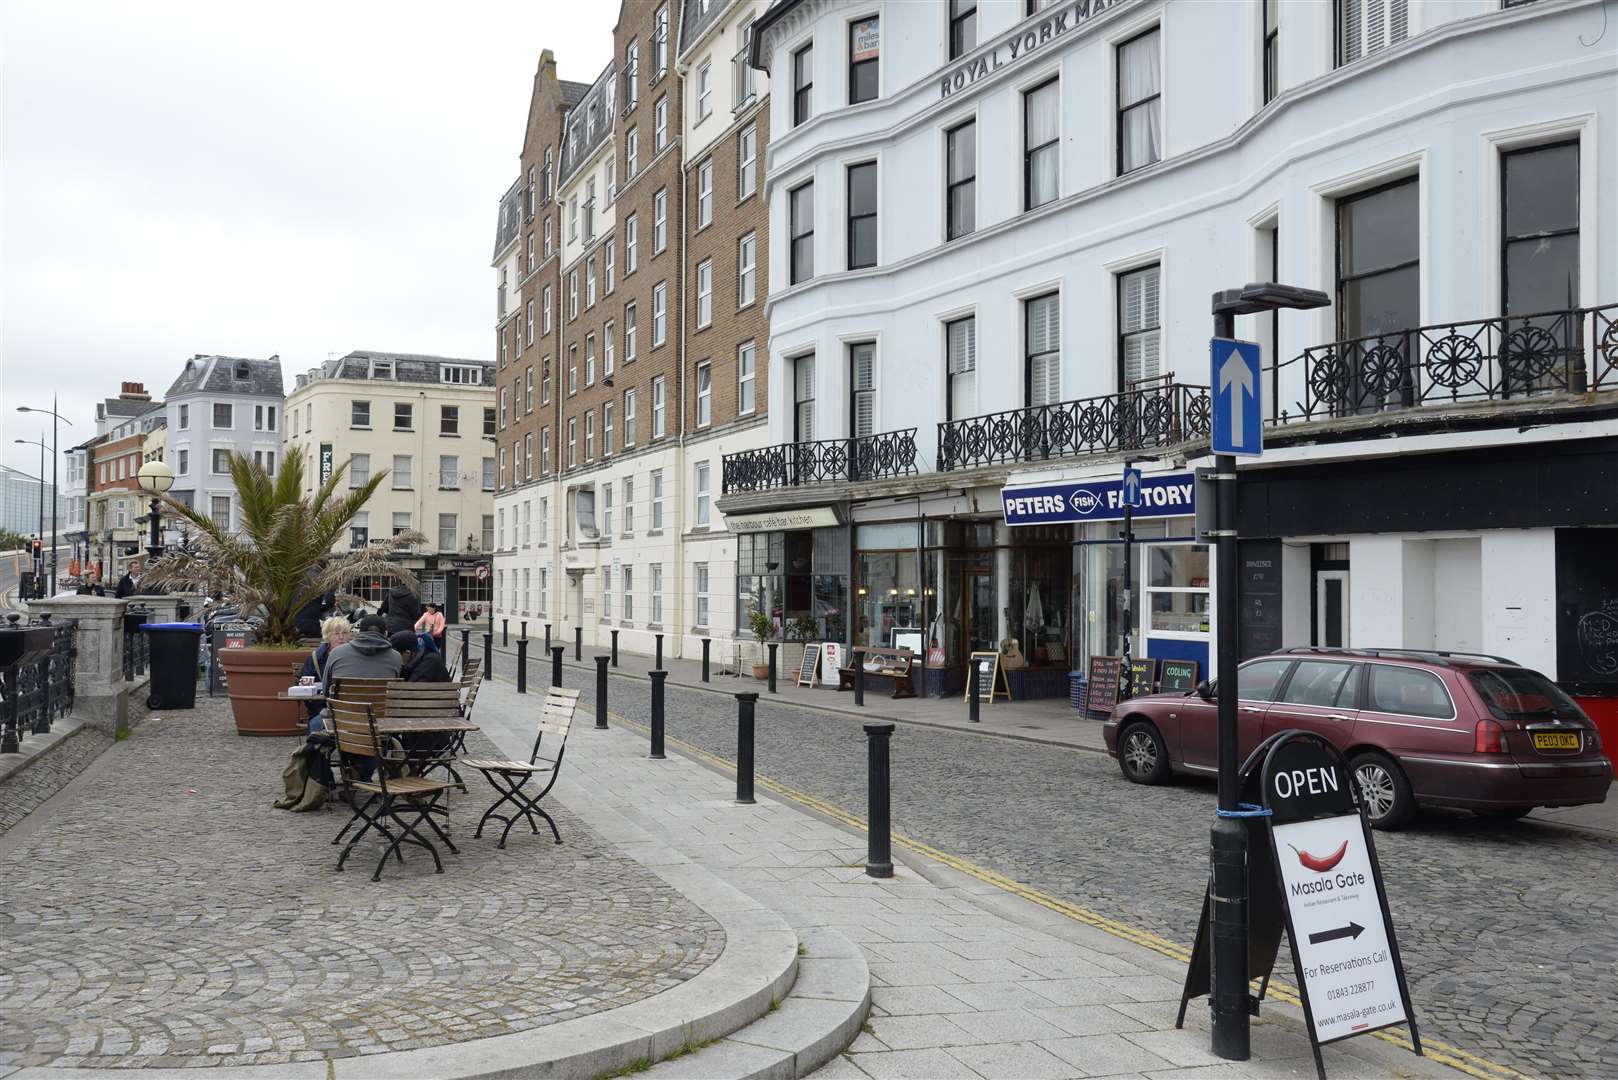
(870, 457)
(1497, 359)
(1150, 416)
(38, 689)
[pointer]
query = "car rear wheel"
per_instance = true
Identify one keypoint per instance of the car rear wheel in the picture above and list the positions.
(1384, 791)
(1141, 754)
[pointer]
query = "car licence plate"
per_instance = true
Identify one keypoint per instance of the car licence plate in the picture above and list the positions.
(1556, 740)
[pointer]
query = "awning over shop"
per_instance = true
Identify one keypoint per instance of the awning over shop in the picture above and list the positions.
(809, 517)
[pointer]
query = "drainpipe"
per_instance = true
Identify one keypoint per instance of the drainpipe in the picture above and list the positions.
(679, 452)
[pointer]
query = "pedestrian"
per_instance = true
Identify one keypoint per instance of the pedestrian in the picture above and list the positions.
(420, 666)
(125, 587)
(432, 623)
(402, 608)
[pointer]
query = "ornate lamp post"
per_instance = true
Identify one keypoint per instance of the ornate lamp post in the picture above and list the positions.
(155, 479)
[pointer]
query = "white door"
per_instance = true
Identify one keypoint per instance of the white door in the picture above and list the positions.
(1331, 608)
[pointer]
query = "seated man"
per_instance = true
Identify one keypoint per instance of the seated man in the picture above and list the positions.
(367, 655)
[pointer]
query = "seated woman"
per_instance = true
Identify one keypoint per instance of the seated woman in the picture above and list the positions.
(334, 631)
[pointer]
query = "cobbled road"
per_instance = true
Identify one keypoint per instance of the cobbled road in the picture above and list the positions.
(1506, 929)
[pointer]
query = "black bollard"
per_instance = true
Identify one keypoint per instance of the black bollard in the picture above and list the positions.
(972, 703)
(615, 648)
(705, 643)
(556, 665)
(657, 713)
(522, 665)
(488, 654)
(524, 628)
(859, 679)
(547, 637)
(578, 643)
(744, 747)
(879, 850)
(659, 661)
(601, 693)
(505, 632)
(774, 645)
(466, 645)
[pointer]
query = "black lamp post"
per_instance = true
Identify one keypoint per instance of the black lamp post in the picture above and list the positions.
(56, 524)
(155, 479)
(1228, 842)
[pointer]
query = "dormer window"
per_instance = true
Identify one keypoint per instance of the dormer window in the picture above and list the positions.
(243, 370)
(461, 374)
(381, 369)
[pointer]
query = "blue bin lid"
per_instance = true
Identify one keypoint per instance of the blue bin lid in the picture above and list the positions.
(193, 626)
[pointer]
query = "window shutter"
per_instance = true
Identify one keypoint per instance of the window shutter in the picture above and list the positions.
(806, 421)
(963, 346)
(1045, 324)
(1045, 379)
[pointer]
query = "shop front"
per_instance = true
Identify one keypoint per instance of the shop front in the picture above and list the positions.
(1155, 600)
(793, 567)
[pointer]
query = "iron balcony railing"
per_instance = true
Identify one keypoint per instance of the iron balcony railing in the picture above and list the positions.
(1508, 357)
(1136, 419)
(869, 457)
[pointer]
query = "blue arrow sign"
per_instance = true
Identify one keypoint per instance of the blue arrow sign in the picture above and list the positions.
(1238, 397)
(1132, 496)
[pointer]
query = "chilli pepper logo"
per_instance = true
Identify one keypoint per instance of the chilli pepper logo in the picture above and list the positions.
(1320, 863)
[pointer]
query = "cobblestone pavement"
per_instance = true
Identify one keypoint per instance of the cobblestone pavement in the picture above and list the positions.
(168, 916)
(1506, 929)
(23, 791)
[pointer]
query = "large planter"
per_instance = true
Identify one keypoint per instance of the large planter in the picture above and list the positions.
(256, 677)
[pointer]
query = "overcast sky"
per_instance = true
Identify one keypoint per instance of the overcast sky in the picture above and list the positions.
(299, 179)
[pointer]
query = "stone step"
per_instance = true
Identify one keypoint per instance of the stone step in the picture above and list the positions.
(816, 1021)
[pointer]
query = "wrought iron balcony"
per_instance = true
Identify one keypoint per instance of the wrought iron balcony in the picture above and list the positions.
(1450, 363)
(1136, 419)
(870, 457)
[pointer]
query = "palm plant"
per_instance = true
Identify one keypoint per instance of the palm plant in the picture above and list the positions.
(283, 556)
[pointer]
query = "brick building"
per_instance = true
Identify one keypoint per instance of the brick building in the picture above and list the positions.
(608, 523)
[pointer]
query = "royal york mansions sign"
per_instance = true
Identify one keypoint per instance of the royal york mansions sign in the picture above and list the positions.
(1063, 19)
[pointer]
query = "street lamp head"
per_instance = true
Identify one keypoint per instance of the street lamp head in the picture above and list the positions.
(156, 477)
(1266, 296)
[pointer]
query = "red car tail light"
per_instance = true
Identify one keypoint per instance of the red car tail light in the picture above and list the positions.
(1491, 738)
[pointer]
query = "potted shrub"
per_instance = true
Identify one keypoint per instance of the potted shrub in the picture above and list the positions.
(285, 555)
(799, 632)
(763, 629)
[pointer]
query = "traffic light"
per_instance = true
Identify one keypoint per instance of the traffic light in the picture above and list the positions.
(38, 548)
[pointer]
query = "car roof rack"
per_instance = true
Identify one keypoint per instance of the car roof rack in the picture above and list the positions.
(1439, 656)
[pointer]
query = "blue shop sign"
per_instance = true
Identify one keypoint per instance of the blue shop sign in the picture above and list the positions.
(1167, 495)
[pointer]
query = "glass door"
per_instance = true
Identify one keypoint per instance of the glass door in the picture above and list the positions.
(977, 629)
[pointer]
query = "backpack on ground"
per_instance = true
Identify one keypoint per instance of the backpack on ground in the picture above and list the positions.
(301, 778)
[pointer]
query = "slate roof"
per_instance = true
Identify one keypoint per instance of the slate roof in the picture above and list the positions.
(205, 374)
(407, 367)
(573, 92)
(696, 17)
(588, 123)
(511, 216)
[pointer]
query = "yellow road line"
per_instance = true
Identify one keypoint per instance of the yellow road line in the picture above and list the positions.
(1441, 1052)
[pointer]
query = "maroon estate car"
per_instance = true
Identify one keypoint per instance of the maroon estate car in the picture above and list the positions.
(1448, 729)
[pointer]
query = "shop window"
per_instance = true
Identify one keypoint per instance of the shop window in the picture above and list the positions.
(1177, 588)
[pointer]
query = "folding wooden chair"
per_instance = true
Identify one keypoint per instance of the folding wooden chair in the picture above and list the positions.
(407, 701)
(355, 691)
(403, 801)
(471, 679)
(508, 777)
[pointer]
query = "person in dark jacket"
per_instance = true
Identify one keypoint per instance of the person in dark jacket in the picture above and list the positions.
(402, 608)
(417, 664)
(125, 587)
(311, 617)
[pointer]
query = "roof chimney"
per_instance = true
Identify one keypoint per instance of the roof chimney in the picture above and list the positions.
(134, 391)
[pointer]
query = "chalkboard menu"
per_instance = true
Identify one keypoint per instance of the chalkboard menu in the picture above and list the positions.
(1177, 676)
(1101, 690)
(991, 679)
(1259, 595)
(810, 664)
(1142, 676)
(1586, 612)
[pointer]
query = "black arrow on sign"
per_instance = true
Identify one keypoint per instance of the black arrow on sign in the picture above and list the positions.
(1352, 930)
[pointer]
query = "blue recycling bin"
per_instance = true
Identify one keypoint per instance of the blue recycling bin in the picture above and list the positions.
(174, 648)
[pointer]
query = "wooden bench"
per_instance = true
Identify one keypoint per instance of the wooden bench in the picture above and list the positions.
(898, 667)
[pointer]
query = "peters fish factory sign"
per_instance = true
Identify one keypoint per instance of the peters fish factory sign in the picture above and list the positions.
(1064, 19)
(1168, 495)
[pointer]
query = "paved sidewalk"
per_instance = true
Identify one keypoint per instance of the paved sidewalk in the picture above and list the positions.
(968, 979)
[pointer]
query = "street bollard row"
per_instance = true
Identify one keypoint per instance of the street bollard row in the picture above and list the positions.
(601, 693)
(659, 639)
(505, 632)
(522, 664)
(658, 678)
(614, 648)
(578, 643)
(705, 643)
(488, 654)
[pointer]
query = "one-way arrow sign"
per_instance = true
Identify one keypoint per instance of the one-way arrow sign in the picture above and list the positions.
(1238, 414)
(1132, 482)
(1352, 930)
